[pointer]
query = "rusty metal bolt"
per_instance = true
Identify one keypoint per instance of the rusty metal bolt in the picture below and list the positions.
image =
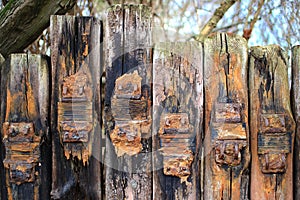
(81, 89)
(223, 146)
(133, 184)
(236, 151)
(182, 121)
(267, 160)
(120, 87)
(13, 131)
(65, 89)
(167, 122)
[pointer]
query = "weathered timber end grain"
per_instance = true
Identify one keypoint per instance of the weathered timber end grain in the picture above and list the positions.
(178, 116)
(24, 119)
(76, 107)
(272, 124)
(226, 138)
(128, 120)
(296, 111)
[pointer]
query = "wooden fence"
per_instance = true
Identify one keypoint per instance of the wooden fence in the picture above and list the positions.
(169, 121)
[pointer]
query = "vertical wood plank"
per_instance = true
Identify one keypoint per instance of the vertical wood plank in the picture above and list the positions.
(178, 116)
(24, 119)
(296, 111)
(272, 124)
(76, 107)
(226, 139)
(2, 172)
(128, 103)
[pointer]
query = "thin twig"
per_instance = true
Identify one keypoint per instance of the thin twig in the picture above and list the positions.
(213, 21)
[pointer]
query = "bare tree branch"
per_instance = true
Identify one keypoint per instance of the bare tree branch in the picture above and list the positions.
(213, 21)
(248, 31)
(22, 22)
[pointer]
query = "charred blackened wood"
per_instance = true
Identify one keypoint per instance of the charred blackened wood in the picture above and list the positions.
(128, 120)
(226, 138)
(24, 117)
(296, 111)
(178, 102)
(76, 107)
(272, 124)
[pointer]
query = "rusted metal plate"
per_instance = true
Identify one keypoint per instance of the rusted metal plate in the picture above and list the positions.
(228, 152)
(176, 142)
(128, 86)
(126, 138)
(272, 123)
(178, 165)
(274, 143)
(18, 132)
(176, 123)
(130, 108)
(271, 163)
(75, 115)
(76, 88)
(227, 113)
(22, 151)
(228, 131)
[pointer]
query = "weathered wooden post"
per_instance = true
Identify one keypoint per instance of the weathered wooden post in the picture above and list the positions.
(2, 173)
(296, 110)
(226, 142)
(128, 102)
(177, 120)
(272, 124)
(75, 107)
(24, 122)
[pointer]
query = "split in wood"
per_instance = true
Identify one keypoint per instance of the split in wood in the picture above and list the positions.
(75, 116)
(22, 151)
(176, 143)
(131, 111)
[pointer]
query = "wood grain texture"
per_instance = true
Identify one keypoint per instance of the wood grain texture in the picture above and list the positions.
(178, 117)
(24, 111)
(129, 55)
(271, 170)
(75, 107)
(226, 137)
(296, 111)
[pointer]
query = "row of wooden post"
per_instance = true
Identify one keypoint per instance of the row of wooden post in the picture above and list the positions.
(174, 120)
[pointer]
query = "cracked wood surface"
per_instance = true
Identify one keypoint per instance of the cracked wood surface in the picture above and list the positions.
(75, 107)
(226, 134)
(128, 173)
(296, 110)
(178, 116)
(24, 119)
(271, 169)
